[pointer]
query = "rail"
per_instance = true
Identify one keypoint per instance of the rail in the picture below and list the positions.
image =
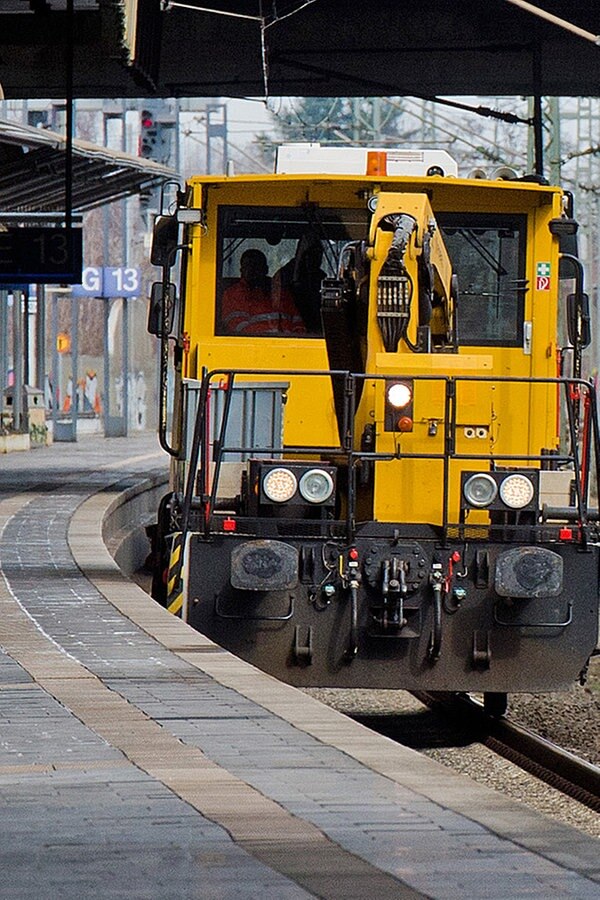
(571, 775)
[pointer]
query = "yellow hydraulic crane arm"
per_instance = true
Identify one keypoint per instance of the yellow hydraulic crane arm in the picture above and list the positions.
(414, 271)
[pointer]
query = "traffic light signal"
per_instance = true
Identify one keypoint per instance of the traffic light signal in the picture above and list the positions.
(155, 137)
(148, 135)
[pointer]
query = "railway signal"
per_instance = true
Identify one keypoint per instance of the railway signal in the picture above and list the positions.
(155, 137)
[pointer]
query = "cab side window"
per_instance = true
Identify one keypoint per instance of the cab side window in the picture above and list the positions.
(488, 255)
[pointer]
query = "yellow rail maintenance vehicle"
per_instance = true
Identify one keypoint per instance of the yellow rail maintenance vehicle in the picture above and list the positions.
(383, 446)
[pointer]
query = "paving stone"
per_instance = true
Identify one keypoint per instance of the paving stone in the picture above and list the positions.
(287, 795)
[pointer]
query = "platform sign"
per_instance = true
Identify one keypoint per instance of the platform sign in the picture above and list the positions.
(109, 281)
(121, 281)
(91, 282)
(40, 255)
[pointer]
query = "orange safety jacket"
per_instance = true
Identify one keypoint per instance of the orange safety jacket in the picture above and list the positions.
(253, 310)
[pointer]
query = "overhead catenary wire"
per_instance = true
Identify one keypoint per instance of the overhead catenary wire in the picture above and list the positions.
(268, 21)
(280, 18)
(264, 22)
(177, 4)
(263, 53)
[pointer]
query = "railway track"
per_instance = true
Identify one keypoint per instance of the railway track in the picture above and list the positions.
(467, 721)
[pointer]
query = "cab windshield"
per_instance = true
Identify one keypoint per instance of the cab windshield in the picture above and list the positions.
(271, 263)
(272, 260)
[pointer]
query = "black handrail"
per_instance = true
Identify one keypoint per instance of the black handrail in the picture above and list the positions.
(201, 413)
(573, 390)
(219, 454)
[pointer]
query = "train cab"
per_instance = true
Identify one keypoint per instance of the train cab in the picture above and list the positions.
(384, 446)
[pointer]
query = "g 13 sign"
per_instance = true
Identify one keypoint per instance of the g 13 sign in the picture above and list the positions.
(109, 281)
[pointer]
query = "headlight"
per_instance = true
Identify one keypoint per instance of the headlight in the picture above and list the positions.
(279, 485)
(316, 485)
(480, 490)
(516, 491)
(399, 395)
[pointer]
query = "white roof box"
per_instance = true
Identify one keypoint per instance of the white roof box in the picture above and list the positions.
(313, 159)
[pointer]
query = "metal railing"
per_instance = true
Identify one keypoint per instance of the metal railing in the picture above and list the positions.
(579, 399)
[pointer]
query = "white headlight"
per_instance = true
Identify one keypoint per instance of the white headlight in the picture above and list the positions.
(480, 490)
(516, 491)
(316, 486)
(279, 485)
(399, 395)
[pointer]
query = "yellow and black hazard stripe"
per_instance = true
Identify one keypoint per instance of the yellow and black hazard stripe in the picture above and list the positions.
(174, 579)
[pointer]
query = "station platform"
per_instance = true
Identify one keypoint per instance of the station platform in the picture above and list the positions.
(140, 760)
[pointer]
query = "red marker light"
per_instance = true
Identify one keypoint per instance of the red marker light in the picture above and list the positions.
(565, 534)
(405, 423)
(353, 553)
(229, 524)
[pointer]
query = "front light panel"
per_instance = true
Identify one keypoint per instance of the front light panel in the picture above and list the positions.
(500, 490)
(516, 491)
(316, 486)
(279, 485)
(399, 395)
(289, 483)
(480, 490)
(399, 405)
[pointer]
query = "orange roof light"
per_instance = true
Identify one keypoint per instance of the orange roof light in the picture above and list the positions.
(376, 162)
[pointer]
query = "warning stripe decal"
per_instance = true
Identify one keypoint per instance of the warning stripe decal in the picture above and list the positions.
(174, 581)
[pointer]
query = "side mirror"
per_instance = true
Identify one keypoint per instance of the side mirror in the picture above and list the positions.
(164, 241)
(565, 228)
(578, 320)
(578, 304)
(159, 301)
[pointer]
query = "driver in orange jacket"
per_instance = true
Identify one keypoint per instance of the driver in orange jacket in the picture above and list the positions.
(250, 306)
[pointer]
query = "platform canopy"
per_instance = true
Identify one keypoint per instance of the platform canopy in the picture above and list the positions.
(207, 48)
(32, 172)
